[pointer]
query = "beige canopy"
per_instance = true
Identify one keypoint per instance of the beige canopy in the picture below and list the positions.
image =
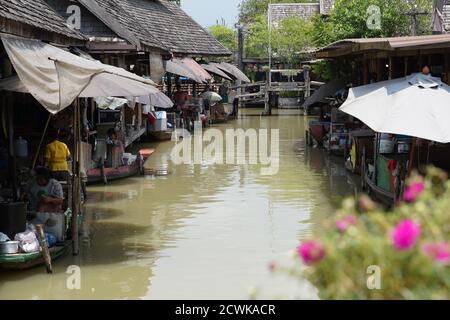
(56, 77)
(189, 68)
(233, 70)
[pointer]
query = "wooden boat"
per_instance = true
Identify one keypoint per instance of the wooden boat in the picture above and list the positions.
(161, 135)
(358, 141)
(103, 175)
(318, 131)
(336, 140)
(24, 261)
(218, 114)
(376, 192)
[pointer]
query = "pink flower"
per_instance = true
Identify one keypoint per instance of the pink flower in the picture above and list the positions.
(343, 224)
(405, 235)
(413, 191)
(439, 252)
(272, 266)
(365, 204)
(311, 252)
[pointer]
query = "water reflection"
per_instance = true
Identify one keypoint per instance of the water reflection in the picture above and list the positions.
(201, 231)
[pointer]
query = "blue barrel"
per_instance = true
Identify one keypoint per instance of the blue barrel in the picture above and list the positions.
(21, 148)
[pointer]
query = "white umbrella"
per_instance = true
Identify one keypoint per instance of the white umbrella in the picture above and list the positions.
(416, 106)
(212, 96)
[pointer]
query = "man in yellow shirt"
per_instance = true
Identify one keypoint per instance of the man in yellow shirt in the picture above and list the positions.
(56, 155)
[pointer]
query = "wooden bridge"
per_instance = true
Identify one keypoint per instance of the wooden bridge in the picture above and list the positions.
(262, 91)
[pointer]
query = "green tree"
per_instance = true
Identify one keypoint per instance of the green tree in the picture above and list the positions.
(257, 41)
(289, 38)
(250, 10)
(225, 35)
(349, 19)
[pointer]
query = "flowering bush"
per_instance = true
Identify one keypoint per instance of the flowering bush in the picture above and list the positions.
(370, 253)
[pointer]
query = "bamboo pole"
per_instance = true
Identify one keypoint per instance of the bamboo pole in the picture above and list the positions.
(44, 247)
(76, 177)
(33, 164)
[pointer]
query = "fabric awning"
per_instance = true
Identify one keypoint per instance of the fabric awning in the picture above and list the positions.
(106, 85)
(194, 66)
(56, 77)
(157, 100)
(188, 68)
(325, 91)
(233, 70)
(111, 85)
(110, 103)
(213, 69)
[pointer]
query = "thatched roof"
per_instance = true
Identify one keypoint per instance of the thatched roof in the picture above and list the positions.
(37, 15)
(161, 24)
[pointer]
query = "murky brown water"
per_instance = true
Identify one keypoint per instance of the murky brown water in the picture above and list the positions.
(202, 232)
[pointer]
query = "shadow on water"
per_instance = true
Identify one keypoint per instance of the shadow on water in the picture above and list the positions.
(98, 196)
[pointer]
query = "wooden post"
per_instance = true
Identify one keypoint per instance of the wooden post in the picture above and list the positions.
(406, 67)
(446, 79)
(12, 152)
(391, 68)
(412, 155)
(76, 185)
(240, 55)
(365, 71)
(267, 107)
(376, 153)
(44, 247)
(307, 78)
(169, 84)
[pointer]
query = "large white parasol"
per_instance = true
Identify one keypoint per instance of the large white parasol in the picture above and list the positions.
(416, 106)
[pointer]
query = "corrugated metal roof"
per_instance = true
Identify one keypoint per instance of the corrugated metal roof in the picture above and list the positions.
(353, 46)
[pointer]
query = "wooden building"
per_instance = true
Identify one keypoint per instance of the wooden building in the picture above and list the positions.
(138, 35)
(23, 117)
(377, 59)
(30, 19)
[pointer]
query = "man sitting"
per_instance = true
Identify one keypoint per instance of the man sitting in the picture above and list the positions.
(45, 194)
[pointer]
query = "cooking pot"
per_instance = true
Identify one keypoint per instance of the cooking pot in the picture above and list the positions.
(9, 247)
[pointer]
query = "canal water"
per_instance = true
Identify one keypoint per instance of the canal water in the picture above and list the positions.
(202, 231)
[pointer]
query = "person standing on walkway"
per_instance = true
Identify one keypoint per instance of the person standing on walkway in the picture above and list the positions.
(56, 156)
(181, 101)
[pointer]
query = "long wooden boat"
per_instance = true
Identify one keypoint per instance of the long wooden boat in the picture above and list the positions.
(24, 261)
(378, 193)
(161, 135)
(103, 175)
(318, 131)
(358, 141)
